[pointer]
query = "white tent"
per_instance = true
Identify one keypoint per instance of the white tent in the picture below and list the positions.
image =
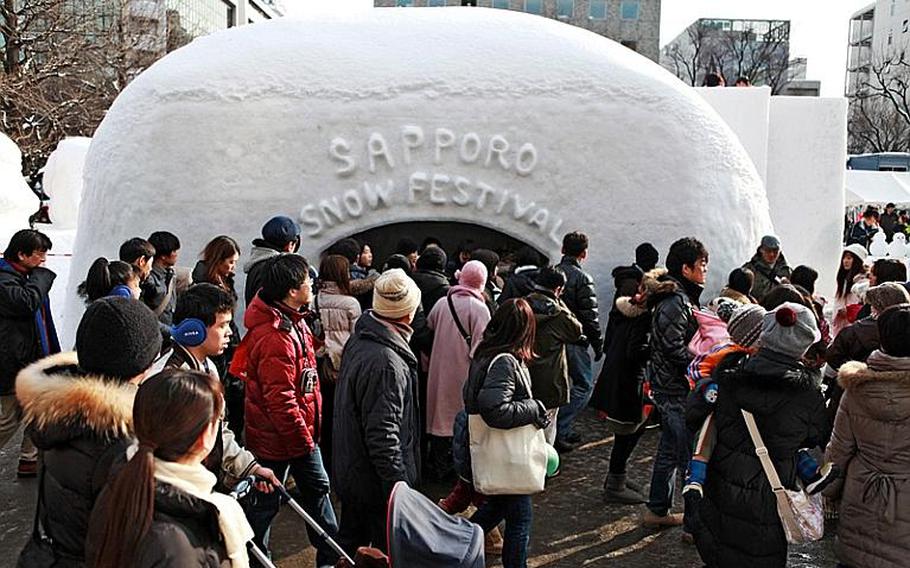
(863, 187)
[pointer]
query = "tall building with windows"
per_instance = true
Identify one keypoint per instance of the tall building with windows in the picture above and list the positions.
(879, 31)
(633, 23)
(187, 19)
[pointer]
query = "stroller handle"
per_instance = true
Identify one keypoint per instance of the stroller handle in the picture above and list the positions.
(313, 524)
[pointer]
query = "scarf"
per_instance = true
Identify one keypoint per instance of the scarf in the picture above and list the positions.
(461, 290)
(44, 321)
(198, 482)
(881, 361)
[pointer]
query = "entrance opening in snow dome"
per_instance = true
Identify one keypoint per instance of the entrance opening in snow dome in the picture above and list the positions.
(384, 240)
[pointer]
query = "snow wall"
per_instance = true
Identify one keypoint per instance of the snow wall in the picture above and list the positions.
(17, 201)
(63, 180)
(511, 121)
(799, 147)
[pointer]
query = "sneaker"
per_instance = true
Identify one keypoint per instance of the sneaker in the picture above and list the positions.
(564, 446)
(653, 521)
(492, 543)
(27, 469)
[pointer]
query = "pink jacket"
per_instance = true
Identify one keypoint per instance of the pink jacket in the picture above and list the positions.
(451, 359)
(712, 331)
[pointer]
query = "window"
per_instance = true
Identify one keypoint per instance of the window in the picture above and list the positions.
(469, 3)
(597, 10)
(629, 9)
(534, 6)
(565, 8)
(630, 43)
(504, 4)
(436, 3)
(404, 3)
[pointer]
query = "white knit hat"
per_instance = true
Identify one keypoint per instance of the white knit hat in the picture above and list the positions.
(395, 295)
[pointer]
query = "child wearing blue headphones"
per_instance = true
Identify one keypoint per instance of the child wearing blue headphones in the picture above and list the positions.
(202, 329)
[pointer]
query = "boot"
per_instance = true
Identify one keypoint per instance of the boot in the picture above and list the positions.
(653, 521)
(617, 490)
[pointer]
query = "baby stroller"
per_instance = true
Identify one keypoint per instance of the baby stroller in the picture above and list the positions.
(421, 535)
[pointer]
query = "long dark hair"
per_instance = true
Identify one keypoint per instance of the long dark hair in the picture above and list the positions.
(191, 401)
(845, 277)
(217, 251)
(511, 330)
(336, 268)
(103, 275)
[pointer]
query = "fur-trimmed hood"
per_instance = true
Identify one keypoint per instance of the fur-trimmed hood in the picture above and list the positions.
(884, 395)
(60, 403)
(855, 373)
(630, 309)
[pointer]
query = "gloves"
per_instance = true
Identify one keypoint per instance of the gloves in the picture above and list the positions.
(543, 418)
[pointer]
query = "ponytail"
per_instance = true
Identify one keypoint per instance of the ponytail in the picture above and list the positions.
(103, 276)
(123, 515)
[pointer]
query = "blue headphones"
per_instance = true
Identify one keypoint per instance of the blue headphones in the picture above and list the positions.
(121, 291)
(189, 333)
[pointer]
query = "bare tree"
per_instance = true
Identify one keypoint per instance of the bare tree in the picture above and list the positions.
(880, 108)
(685, 58)
(64, 62)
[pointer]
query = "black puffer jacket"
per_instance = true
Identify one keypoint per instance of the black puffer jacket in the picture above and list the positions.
(184, 532)
(520, 283)
(854, 343)
(498, 396)
(83, 425)
(20, 297)
(739, 522)
(673, 325)
(579, 295)
(376, 439)
(433, 285)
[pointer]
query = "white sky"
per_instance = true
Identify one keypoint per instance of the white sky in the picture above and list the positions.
(819, 27)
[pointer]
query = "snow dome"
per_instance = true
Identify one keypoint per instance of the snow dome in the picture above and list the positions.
(490, 117)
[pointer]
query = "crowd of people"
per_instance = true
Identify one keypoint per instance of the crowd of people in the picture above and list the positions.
(351, 380)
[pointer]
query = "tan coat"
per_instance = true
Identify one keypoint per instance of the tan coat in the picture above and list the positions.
(338, 312)
(871, 444)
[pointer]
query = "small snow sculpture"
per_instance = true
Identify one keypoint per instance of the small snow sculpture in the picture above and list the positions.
(878, 248)
(898, 246)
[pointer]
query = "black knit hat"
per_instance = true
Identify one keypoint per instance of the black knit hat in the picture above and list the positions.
(894, 330)
(646, 256)
(432, 258)
(117, 338)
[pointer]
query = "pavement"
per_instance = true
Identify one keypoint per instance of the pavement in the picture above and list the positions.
(572, 526)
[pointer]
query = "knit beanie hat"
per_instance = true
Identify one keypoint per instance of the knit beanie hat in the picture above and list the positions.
(646, 256)
(432, 258)
(894, 331)
(395, 295)
(858, 250)
(280, 230)
(885, 295)
(789, 330)
(745, 325)
(724, 308)
(473, 275)
(117, 338)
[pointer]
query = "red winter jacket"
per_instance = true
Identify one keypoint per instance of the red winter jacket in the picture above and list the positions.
(283, 402)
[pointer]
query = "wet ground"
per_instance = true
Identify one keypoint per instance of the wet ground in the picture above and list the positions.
(572, 527)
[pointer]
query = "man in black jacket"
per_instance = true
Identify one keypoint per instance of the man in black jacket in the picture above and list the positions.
(26, 330)
(673, 325)
(376, 440)
(581, 299)
(280, 235)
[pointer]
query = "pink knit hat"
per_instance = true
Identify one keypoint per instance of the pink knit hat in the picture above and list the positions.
(473, 275)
